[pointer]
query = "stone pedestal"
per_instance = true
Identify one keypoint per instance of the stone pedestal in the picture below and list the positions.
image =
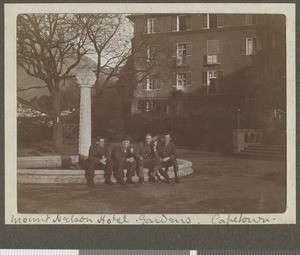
(245, 137)
(86, 81)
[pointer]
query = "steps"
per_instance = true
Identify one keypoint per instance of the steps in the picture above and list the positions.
(264, 151)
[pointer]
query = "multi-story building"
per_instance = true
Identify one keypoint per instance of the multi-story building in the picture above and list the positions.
(200, 52)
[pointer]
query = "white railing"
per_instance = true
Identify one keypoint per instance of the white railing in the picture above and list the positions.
(242, 138)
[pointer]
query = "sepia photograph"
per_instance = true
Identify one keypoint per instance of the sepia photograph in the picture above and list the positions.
(98, 252)
(149, 252)
(150, 116)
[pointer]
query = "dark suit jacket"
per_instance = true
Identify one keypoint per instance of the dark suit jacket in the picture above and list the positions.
(145, 150)
(96, 153)
(121, 153)
(168, 150)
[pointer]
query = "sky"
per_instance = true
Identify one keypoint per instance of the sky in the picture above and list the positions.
(126, 33)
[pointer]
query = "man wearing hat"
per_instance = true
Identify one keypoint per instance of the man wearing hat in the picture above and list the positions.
(123, 158)
(98, 159)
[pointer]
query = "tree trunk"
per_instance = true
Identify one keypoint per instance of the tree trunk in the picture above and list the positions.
(57, 132)
(57, 136)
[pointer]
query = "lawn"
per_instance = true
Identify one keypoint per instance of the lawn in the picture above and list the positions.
(218, 185)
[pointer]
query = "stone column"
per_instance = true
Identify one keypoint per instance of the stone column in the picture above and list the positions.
(86, 80)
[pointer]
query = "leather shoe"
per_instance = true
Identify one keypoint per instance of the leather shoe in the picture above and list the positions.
(153, 179)
(130, 181)
(121, 182)
(108, 182)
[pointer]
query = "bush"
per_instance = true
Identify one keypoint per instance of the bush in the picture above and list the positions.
(33, 129)
(203, 131)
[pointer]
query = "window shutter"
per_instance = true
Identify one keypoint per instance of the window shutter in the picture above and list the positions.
(254, 19)
(157, 83)
(175, 50)
(154, 53)
(205, 20)
(243, 46)
(220, 20)
(259, 47)
(174, 82)
(158, 25)
(205, 59)
(189, 78)
(248, 19)
(189, 49)
(148, 53)
(204, 78)
(146, 26)
(254, 45)
(208, 47)
(219, 58)
(220, 75)
(145, 84)
(174, 23)
(212, 47)
(188, 22)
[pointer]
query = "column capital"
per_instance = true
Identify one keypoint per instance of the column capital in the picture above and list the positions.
(86, 78)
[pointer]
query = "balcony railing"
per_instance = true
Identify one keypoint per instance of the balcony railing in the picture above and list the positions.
(182, 61)
(212, 59)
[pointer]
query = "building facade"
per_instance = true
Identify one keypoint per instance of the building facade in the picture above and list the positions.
(198, 54)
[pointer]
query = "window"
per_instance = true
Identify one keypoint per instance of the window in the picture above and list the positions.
(182, 51)
(252, 19)
(181, 54)
(212, 79)
(151, 84)
(183, 79)
(153, 25)
(151, 54)
(213, 20)
(149, 105)
(181, 22)
(251, 46)
(212, 56)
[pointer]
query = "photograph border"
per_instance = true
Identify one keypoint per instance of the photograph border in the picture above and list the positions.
(10, 132)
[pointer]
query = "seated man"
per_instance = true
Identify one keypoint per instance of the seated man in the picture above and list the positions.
(98, 159)
(146, 155)
(123, 157)
(167, 153)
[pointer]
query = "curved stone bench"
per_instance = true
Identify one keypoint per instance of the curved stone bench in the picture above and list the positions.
(77, 176)
(48, 162)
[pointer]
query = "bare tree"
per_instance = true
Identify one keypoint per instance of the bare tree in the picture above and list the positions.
(50, 46)
(110, 41)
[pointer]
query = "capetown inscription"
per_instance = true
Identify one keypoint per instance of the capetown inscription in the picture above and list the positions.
(140, 219)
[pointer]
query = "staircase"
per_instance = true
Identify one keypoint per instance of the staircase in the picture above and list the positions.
(264, 151)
